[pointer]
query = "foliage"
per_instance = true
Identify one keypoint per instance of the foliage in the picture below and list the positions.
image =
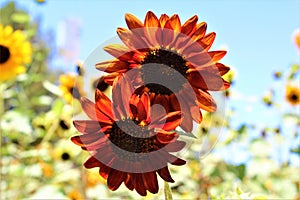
(38, 159)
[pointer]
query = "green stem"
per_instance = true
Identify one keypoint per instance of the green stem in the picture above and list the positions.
(168, 192)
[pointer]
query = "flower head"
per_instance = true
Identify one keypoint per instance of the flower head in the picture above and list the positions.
(71, 87)
(128, 142)
(170, 62)
(15, 51)
(292, 95)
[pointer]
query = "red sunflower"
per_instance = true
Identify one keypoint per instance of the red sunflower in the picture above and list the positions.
(189, 67)
(128, 142)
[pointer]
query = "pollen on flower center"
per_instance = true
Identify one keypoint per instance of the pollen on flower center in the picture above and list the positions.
(4, 54)
(167, 58)
(130, 137)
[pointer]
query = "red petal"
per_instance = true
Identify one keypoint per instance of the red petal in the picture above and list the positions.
(165, 137)
(89, 126)
(115, 179)
(92, 162)
(128, 183)
(138, 183)
(150, 182)
(104, 104)
(165, 174)
(170, 121)
(206, 80)
(187, 122)
(104, 171)
(111, 66)
(90, 139)
(175, 146)
(121, 94)
(93, 112)
(176, 161)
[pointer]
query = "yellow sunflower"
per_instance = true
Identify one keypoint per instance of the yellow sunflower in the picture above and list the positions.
(71, 87)
(292, 95)
(15, 51)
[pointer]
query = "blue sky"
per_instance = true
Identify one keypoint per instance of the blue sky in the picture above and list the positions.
(258, 34)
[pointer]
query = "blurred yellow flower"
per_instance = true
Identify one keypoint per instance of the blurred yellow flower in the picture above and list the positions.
(292, 95)
(93, 178)
(46, 169)
(75, 195)
(71, 86)
(15, 51)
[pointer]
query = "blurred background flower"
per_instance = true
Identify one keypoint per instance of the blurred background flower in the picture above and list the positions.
(250, 151)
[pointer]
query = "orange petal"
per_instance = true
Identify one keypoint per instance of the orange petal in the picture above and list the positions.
(151, 20)
(174, 23)
(217, 55)
(92, 111)
(222, 68)
(170, 121)
(119, 51)
(189, 27)
(111, 66)
(121, 94)
(205, 101)
(132, 39)
(109, 79)
(90, 126)
(133, 22)
(163, 19)
(104, 104)
(200, 31)
(187, 122)
(206, 81)
(208, 40)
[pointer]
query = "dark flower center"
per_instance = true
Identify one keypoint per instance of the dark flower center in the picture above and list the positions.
(294, 97)
(168, 73)
(75, 92)
(131, 137)
(4, 54)
(65, 156)
(100, 84)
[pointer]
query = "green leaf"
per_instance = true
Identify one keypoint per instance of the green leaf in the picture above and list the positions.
(168, 192)
(296, 150)
(20, 18)
(58, 106)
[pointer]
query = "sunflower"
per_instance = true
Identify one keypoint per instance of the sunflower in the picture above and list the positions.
(292, 95)
(71, 87)
(171, 62)
(128, 142)
(15, 51)
(296, 38)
